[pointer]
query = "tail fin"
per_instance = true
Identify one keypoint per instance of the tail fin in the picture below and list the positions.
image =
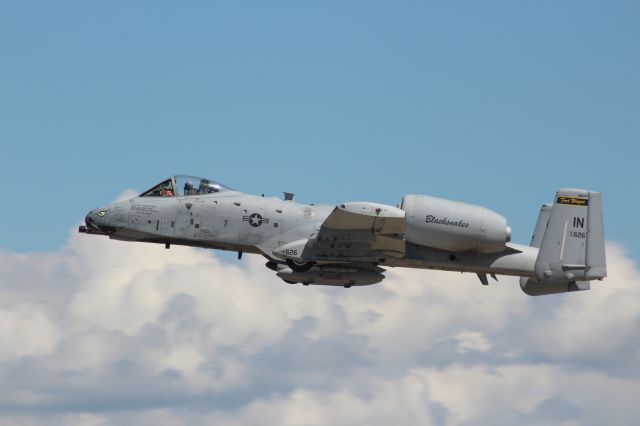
(570, 236)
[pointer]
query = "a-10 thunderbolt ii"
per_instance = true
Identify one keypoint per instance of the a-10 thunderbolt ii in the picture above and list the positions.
(351, 243)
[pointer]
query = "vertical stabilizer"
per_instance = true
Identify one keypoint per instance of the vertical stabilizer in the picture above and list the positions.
(572, 247)
(570, 237)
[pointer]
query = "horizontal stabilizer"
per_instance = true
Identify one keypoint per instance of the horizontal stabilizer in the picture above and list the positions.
(532, 287)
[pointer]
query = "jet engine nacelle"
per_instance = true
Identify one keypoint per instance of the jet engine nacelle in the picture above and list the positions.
(454, 226)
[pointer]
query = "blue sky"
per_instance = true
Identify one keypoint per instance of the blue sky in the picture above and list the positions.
(494, 103)
(497, 103)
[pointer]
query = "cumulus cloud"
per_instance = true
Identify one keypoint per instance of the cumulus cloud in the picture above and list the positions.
(102, 332)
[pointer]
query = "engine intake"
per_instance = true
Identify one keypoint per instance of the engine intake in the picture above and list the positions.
(454, 226)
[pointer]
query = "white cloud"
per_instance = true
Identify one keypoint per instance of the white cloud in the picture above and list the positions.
(472, 341)
(106, 332)
(595, 323)
(26, 330)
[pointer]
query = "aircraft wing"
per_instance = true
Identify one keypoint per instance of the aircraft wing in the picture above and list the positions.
(361, 232)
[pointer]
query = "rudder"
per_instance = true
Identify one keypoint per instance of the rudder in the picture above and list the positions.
(571, 244)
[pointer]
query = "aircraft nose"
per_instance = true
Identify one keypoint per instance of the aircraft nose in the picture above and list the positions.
(90, 217)
(96, 215)
(95, 222)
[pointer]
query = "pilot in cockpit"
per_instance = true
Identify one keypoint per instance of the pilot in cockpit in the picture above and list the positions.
(204, 185)
(189, 189)
(207, 188)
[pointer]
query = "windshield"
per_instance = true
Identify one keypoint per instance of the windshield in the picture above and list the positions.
(163, 189)
(182, 185)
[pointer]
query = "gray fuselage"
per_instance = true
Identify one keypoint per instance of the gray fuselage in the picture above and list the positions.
(235, 221)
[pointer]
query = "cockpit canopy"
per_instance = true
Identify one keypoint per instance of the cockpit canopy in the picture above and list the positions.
(181, 185)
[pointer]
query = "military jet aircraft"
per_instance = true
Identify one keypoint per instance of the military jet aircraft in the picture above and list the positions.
(350, 244)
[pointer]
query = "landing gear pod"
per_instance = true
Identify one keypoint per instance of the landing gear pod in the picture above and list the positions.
(292, 254)
(299, 266)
